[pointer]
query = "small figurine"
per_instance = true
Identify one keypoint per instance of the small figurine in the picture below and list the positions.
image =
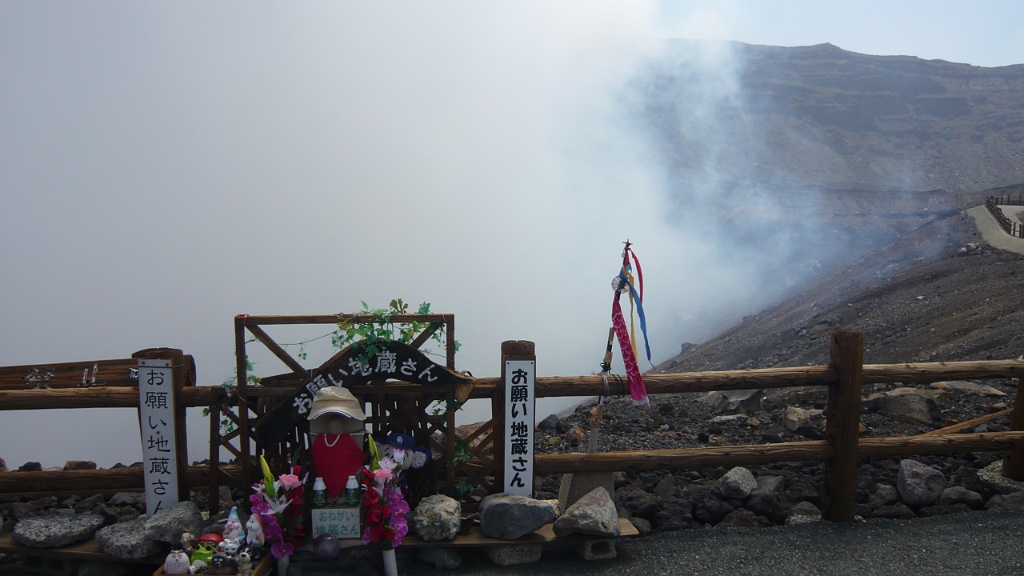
(177, 561)
(254, 534)
(221, 563)
(245, 562)
(233, 527)
(199, 567)
(230, 547)
(207, 545)
(188, 543)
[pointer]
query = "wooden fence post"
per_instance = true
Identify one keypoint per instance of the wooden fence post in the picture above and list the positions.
(1013, 464)
(842, 426)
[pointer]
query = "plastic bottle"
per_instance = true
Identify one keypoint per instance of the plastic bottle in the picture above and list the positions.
(352, 495)
(319, 493)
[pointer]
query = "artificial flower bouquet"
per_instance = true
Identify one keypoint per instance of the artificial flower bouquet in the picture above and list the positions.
(278, 506)
(384, 507)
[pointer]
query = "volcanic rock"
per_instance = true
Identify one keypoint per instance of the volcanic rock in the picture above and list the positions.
(711, 510)
(509, 516)
(442, 558)
(167, 525)
(127, 540)
(960, 495)
(733, 401)
(56, 530)
(639, 503)
(437, 517)
(594, 514)
(737, 483)
(919, 485)
(897, 511)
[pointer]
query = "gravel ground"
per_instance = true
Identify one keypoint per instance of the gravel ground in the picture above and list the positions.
(969, 543)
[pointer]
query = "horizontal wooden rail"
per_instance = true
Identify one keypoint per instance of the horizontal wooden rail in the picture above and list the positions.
(938, 371)
(104, 480)
(335, 318)
(817, 450)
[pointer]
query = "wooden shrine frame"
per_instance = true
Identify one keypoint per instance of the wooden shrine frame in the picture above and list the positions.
(390, 403)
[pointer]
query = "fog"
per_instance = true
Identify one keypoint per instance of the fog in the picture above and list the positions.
(168, 166)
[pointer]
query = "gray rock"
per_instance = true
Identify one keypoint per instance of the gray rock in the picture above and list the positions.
(167, 525)
(549, 423)
(743, 518)
(884, 495)
(30, 467)
(596, 549)
(941, 509)
(639, 503)
(674, 515)
(733, 401)
(620, 479)
(594, 515)
(513, 555)
(897, 511)
(575, 486)
(803, 513)
(711, 510)
(3, 465)
(1013, 501)
(666, 487)
(441, 558)
(737, 483)
(641, 524)
(89, 503)
(109, 514)
(326, 547)
(769, 485)
(56, 530)
(23, 510)
(798, 417)
(910, 408)
(437, 517)
(134, 499)
(770, 506)
(960, 495)
(919, 485)
(508, 516)
(127, 540)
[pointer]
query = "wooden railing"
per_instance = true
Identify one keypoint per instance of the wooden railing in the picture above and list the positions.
(1012, 228)
(844, 376)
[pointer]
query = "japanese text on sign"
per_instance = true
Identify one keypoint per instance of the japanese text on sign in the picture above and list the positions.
(341, 522)
(156, 420)
(519, 420)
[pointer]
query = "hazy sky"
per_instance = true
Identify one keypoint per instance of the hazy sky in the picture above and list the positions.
(165, 166)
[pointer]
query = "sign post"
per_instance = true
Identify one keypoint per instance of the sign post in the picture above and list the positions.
(519, 371)
(159, 440)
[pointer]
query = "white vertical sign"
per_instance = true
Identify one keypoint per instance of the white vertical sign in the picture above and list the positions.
(156, 419)
(519, 409)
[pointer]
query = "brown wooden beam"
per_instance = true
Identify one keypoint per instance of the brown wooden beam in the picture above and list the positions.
(276, 349)
(107, 480)
(938, 371)
(1013, 464)
(335, 318)
(956, 428)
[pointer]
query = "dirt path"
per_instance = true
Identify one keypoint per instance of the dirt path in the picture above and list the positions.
(993, 234)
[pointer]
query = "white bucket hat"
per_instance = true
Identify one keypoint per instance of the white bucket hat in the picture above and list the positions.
(336, 400)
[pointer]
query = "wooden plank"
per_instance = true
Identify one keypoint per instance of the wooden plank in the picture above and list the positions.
(281, 354)
(938, 371)
(682, 459)
(748, 455)
(263, 568)
(46, 399)
(69, 374)
(256, 320)
(87, 550)
(956, 428)
(1013, 463)
(108, 479)
(474, 537)
(422, 338)
(842, 425)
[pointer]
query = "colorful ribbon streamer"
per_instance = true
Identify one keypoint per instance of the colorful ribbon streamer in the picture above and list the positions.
(627, 337)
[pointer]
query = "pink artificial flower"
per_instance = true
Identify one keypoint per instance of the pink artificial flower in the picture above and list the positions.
(290, 481)
(382, 475)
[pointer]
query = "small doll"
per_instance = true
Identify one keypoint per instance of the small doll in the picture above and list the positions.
(254, 536)
(233, 527)
(245, 561)
(177, 561)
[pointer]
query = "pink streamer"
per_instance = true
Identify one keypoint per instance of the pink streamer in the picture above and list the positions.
(636, 380)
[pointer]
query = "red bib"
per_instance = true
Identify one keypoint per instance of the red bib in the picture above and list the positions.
(336, 463)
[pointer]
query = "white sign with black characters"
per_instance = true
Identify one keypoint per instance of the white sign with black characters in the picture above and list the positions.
(156, 419)
(519, 409)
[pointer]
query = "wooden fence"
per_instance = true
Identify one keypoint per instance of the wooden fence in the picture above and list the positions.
(992, 203)
(844, 376)
(99, 384)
